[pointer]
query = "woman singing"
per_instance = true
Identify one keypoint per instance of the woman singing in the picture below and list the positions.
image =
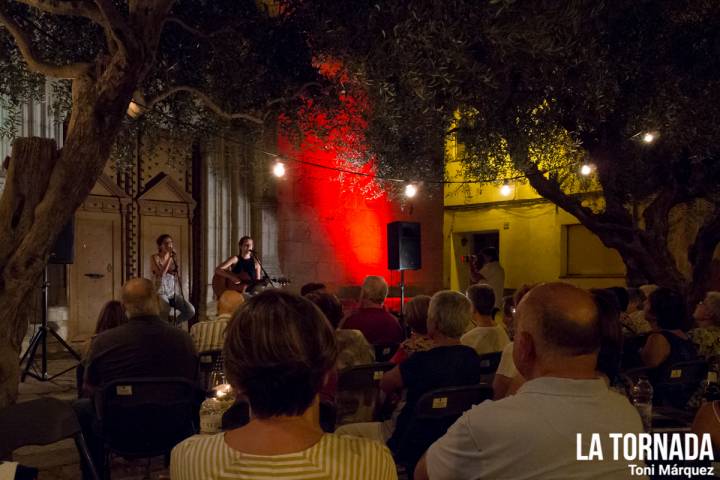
(165, 275)
(242, 268)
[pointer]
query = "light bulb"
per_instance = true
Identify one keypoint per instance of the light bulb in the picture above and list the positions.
(410, 190)
(279, 169)
(649, 137)
(505, 190)
(585, 170)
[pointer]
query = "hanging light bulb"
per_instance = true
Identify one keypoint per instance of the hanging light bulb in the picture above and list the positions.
(506, 189)
(410, 190)
(585, 170)
(279, 169)
(648, 137)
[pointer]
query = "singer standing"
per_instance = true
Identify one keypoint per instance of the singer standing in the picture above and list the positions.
(165, 269)
(243, 264)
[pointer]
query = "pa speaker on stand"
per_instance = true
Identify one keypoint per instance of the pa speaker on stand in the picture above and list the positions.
(62, 253)
(403, 241)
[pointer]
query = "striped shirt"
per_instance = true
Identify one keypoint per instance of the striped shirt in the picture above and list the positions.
(210, 334)
(334, 457)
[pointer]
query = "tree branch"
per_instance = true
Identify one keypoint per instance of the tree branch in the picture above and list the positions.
(115, 25)
(36, 65)
(209, 103)
(73, 8)
(194, 31)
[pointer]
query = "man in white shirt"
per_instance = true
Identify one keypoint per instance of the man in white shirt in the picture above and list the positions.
(491, 273)
(485, 336)
(533, 434)
(210, 334)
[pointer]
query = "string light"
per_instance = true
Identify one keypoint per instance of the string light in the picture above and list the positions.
(279, 169)
(506, 189)
(410, 190)
(585, 170)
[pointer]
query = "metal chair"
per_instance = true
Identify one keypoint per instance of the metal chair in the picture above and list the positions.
(675, 385)
(358, 392)
(146, 417)
(41, 422)
(489, 363)
(208, 361)
(385, 351)
(434, 413)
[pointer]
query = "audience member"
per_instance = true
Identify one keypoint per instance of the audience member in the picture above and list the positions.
(112, 315)
(312, 288)
(278, 350)
(508, 315)
(667, 344)
(353, 348)
(707, 420)
(485, 336)
(633, 318)
(145, 346)
(534, 433)
(446, 364)
(706, 335)
(210, 334)
(371, 318)
(507, 380)
(610, 354)
(416, 312)
(491, 273)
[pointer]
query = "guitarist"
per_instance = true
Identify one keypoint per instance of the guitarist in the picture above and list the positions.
(243, 268)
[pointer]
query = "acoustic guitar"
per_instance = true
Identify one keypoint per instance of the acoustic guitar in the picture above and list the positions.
(221, 283)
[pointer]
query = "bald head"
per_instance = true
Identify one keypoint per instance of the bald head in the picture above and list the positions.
(139, 298)
(561, 318)
(229, 301)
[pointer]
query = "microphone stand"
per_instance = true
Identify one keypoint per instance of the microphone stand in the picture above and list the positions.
(178, 281)
(262, 269)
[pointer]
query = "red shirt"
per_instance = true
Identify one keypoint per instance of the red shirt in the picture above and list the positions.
(376, 324)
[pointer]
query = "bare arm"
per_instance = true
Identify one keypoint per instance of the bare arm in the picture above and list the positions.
(258, 270)
(421, 472)
(655, 351)
(392, 380)
(159, 266)
(224, 269)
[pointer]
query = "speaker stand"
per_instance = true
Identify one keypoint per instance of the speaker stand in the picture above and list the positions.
(402, 297)
(40, 338)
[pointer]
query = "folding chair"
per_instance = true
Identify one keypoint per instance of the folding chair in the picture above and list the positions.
(385, 351)
(41, 422)
(358, 392)
(209, 361)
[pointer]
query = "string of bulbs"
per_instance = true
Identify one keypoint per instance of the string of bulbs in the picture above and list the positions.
(411, 187)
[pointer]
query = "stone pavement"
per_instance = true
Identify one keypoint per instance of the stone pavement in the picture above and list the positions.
(60, 461)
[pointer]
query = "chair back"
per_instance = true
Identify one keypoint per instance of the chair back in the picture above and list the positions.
(208, 361)
(489, 363)
(677, 383)
(630, 358)
(385, 351)
(145, 417)
(358, 391)
(434, 413)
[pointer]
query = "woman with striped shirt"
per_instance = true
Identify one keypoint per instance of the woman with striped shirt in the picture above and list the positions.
(278, 350)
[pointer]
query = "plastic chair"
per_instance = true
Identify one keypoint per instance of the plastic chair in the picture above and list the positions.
(208, 361)
(489, 363)
(385, 351)
(676, 384)
(435, 412)
(146, 417)
(358, 392)
(41, 422)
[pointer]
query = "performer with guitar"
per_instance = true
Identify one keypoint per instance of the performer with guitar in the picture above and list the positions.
(165, 269)
(239, 272)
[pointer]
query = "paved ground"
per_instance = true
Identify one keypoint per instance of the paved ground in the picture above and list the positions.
(60, 461)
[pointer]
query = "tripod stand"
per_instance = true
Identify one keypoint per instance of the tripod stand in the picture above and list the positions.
(40, 338)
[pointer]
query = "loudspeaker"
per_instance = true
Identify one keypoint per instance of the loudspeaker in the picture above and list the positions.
(403, 240)
(64, 249)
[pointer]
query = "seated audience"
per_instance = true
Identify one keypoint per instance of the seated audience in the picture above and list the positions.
(416, 312)
(278, 351)
(633, 318)
(353, 348)
(508, 315)
(706, 335)
(210, 334)
(446, 364)
(145, 346)
(667, 344)
(313, 288)
(485, 336)
(610, 354)
(371, 318)
(533, 434)
(112, 315)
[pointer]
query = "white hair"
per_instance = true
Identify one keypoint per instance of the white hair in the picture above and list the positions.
(449, 313)
(374, 289)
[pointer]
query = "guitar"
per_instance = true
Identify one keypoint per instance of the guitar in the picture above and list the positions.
(246, 284)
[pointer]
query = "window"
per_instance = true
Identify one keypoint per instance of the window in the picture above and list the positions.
(585, 255)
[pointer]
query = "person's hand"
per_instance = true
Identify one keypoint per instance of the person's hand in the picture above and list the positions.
(237, 282)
